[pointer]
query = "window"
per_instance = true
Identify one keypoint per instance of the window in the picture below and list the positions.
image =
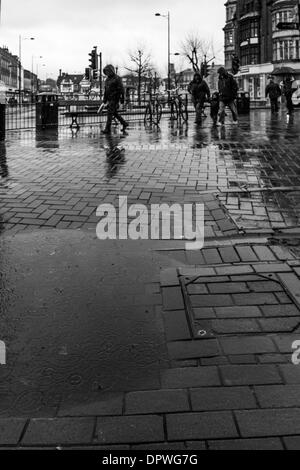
(250, 55)
(229, 37)
(283, 16)
(286, 49)
(249, 29)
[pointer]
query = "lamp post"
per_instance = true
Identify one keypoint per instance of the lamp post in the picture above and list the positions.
(169, 28)
(32, 72)
(20, 63)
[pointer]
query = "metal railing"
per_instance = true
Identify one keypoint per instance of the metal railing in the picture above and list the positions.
(23, 116)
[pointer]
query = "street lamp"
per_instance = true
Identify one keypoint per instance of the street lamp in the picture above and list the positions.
(32, 73)
(20, 63)
(168, 18)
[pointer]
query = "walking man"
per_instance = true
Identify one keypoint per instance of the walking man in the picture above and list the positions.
(228, 88)
(200, 92)
(273, 91)
(113, 95)
(288, 93)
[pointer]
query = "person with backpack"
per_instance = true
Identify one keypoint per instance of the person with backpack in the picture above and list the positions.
(228, 88)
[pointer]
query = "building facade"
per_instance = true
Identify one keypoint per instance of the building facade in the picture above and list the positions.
(9, 71)
(261, 43)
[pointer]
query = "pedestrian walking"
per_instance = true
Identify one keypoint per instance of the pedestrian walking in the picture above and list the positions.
(228, 88)
(200, 92)
(113, 96)
(214, 107)
(273, 91)
(288, 91)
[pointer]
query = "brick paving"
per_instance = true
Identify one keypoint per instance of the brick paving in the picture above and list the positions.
(229, 313)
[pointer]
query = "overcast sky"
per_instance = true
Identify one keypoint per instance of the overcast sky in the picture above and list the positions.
(66, 30)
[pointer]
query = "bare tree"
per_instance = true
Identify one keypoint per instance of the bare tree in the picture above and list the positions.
(196, 49)
(141, 67)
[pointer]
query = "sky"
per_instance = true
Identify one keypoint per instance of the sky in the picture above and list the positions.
(65, 31)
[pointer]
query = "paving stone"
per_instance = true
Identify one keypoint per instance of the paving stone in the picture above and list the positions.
(130, 429)
(265, 286)
(275, 422)
(222, 398)
(172, 298)
(206, 425)
(278, 396)
(264, 253)
(278, 324)
(271, 267)
(48, 431)
(242, 359)
(176, 325)
(211, 300)
(229, 255)
(271, 443)
(156, 401)
(271, 359)
(282, 310)
(95, 405)
(250, 374)
(171, 446)
(238, 312)
(169, 277)
(205, 312)
(292, 442)
(10, 430)
(284, 342)
(195, 445)
(247, 345)
(232, 326)
(281, 253)
(227, 287)
(193, 349)
(212, 256)
(246, 253)
(189, 377)
(230, 270)
(197, 288)
(258, 298)
(291, 373)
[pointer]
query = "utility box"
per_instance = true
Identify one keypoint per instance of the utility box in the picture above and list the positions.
(243, 102)
(46, 110)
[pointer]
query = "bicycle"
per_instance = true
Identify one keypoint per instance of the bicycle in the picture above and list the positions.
(178, 107)
(153, 111)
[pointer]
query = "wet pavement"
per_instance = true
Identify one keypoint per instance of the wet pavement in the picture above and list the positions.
(164, 345)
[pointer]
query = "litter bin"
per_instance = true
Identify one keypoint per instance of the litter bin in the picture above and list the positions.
(243, 102)
(46, 110)
(2, 110)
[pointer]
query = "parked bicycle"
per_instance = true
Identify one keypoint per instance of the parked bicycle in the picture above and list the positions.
(153, 111)
(178, 107)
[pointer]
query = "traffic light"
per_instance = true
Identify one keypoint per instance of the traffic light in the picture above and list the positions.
(94, 59)
(87, 73)
(235, 64)
(95, 74)
(205, 69)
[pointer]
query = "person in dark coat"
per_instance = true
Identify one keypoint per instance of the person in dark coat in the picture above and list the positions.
(113, 95)
(200, 92)
(288, 91)
(214, 107)
(273, 91)
(228, 88)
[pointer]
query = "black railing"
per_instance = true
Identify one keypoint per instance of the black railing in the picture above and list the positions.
(23, 116)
